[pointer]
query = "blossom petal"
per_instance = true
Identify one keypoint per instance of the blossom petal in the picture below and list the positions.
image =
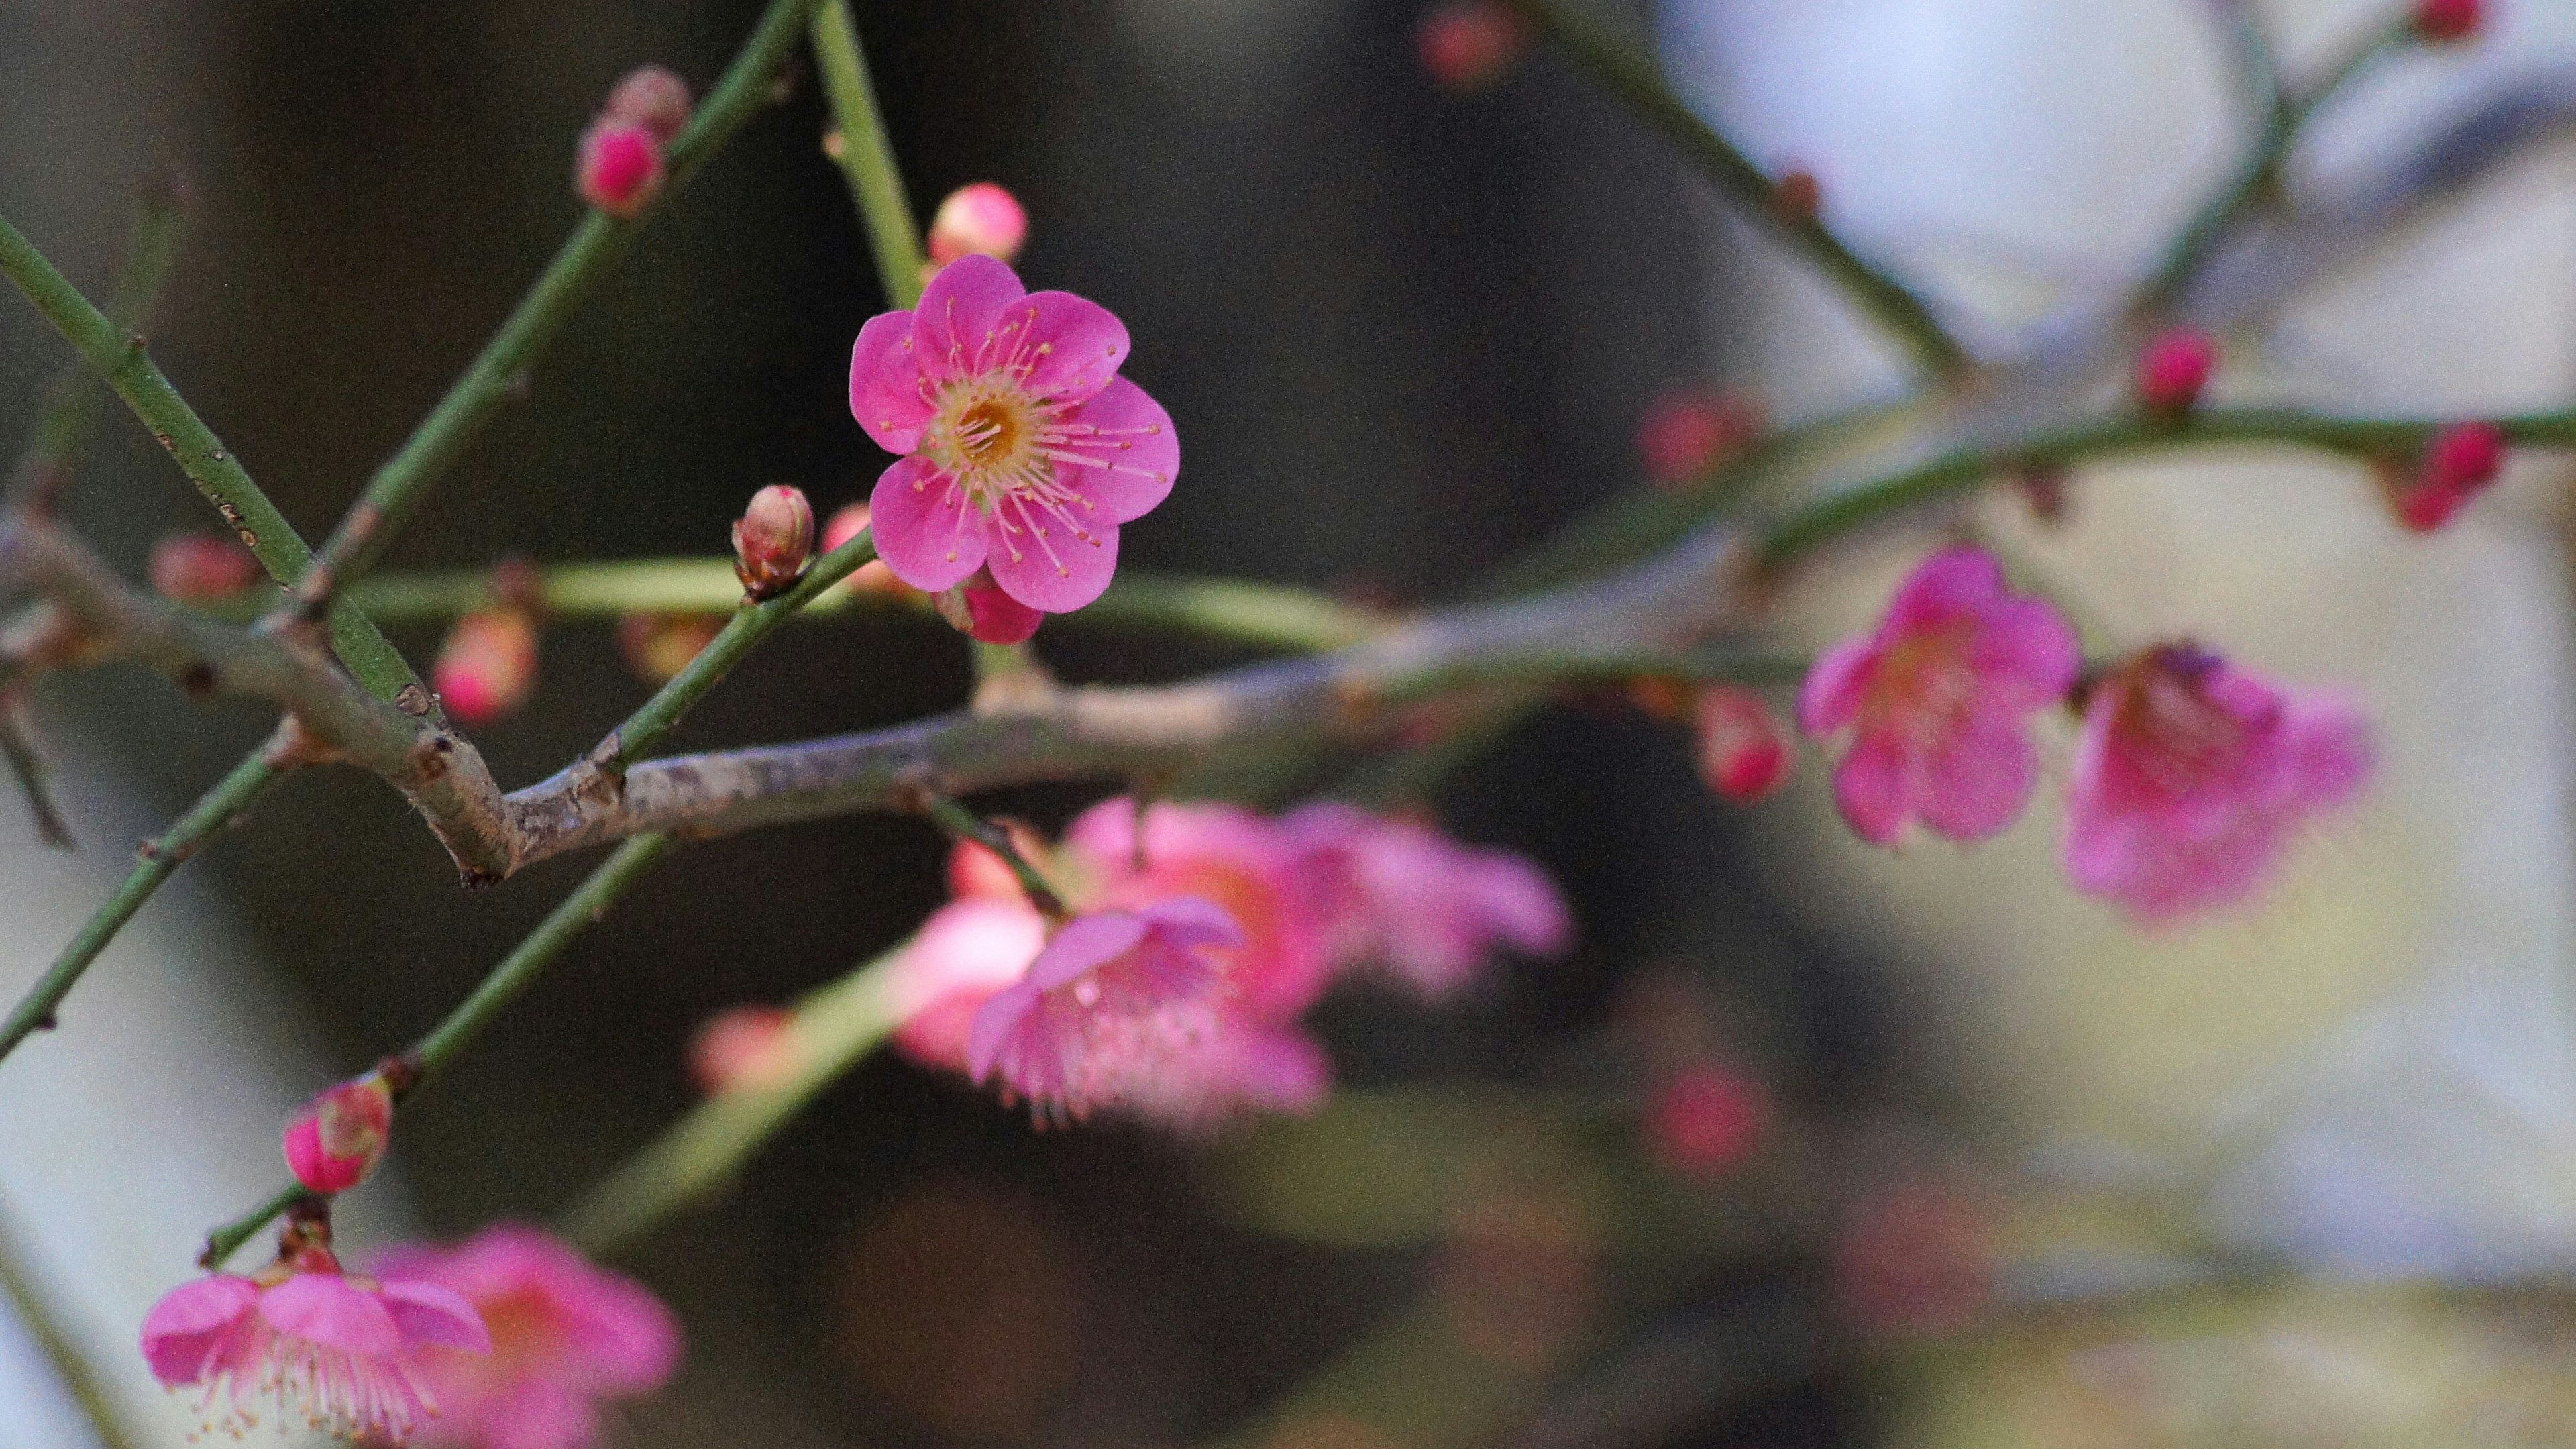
(957, 328)
(1979, 778)
(1193, 921)
(536, 1414)
(923, 527)
(886, 383)
(184, 1331)
(328, 1309)
(1138, 455)
(429, 1313)
(1082, 344)
(1084, 945)
(2027, 655)
(1058, 573)
(1831, 696)
(1873, 787)
(1959, 580)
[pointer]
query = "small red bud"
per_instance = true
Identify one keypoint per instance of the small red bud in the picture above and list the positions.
(653, 98)
(979, 219)
(1744, 751)
(773, 541)
(2173, 368)
(1706, 1119)
(658, 646)
(200, 568)
(1468, 45)
(1798, 196)
(488, 666)
(620, 170)
(979, 609)
(1690, 430)
(336, 1140)
(2447, 21)
(744, 1047)
(2459, 463)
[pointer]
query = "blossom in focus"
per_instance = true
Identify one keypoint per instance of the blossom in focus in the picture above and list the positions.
(1690, 430)
(1023, 450)
(2173, 368)
(336, 1140)
(566, 1336)
(1405, 896)
(1744, 752)
(983, 220)
(2192, 776)
(488, 666)
(652, 97)
(1109, 1011)
(619, 168)
(2448, 20)
(199, 568)
(1468, 45)
(336, 1352)
(2459, 462)
(744, 1047)
(1937, 700)
(1705, 1119)
(658, 646)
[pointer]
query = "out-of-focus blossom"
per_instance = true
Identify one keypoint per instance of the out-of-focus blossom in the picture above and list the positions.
(1110, 1011)
(336, 1140)
(566, 1336)
(620, 167)
(980, 610)
(1690, 430)
(1023, 450)
(1234, 857)
(744, 1048)
(658, 646)
(1403, 895)
(2443, 21)
(1744, 751)
(201, 568)
(1706, 1119)
(1938, 699)
(978, 220)
(961, 958)
(2192, 777)
(2459, 463)
(488, 666)
(1468, 45)
(2173, 368)
(652, 97)
(872, 577)
(302, 1341)
(773, 541)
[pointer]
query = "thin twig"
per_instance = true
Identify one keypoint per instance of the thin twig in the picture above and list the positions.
(866, 155)
(967, 827)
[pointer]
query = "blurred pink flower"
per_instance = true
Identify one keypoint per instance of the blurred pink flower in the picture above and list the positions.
(1402, 895)
(1023, 448)
(1225, 854)
(2191, 776)
(964, 954)
(1744, 751)
(333, 1350)
(1111, 1011)
(565, 1335)
(1936, 699)
(2173, 368)
(1706, 1118)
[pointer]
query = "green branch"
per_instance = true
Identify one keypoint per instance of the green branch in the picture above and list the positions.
(965, 825)
(866, 155)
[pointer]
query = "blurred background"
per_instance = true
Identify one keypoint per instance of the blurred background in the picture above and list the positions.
(1988, 1167)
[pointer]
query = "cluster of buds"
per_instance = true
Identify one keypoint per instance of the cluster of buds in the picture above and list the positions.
(2173, 369)
(773, 541)
(1469, 45)
(978, 220)
(622, 161)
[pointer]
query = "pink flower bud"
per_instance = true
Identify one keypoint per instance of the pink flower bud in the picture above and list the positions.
(978, 608)
(1744, 749)
(658, 646)
(1706, 1119)
(1690, 430)
(773, 541)
(335, 1141)
(620, 170)
(2444, 21)
(744, 1047)
(199, 568)
(982, 218)
(488, 666)
(1468, 45)
(2459, 463)
(653, 98)
(2173, 368)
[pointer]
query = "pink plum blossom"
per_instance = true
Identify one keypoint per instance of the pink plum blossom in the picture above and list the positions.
(1023, 450)
(964, 955)
(1402, 895)
(565, 1337)
(1110, 1013)
(1239, 860)
(1937, 700)
(335, 1351)
(2192, 776)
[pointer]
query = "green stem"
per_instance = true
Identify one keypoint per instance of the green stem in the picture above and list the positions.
(1625, 70)
(71, 1368)
(121, 358)
(588, 902)
(210, 816)
(965, 825)
(403, 483)
(829, 1032)
(867, 155)
(54, 450)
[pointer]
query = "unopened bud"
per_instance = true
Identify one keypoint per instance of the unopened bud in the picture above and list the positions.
(979, 219)
(1706, 1119)
(653, 98)
(744, 1047)
(336, 1140)
(1468, 45)
(2459, 463)
(1690, 430)
(200, 568)
(2446, 21)
(1744, 750)
(773, 541)
(2173, 368)
(658, 646)
(620, 169)
(979, 609)
(488, 666)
